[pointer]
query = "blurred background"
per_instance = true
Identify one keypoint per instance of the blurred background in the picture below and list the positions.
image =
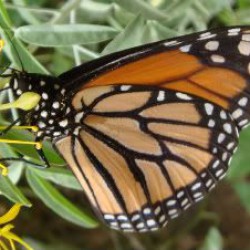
(54, 36)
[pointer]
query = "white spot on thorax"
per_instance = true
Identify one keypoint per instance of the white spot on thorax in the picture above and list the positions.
(15, 85)
(57, 133)
(44, 114)
(41, 125)
(45, 96)
(19, 92)
(56, 105)
(63, 123)
(42, 83)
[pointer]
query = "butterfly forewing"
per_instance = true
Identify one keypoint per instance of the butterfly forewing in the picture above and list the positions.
(213, 65)
(143, 154)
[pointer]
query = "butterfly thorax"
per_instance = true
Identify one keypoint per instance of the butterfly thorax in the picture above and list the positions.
(52, 115)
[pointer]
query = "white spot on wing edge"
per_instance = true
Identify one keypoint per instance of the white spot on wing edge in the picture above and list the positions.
(209, 108)
(244, 48)
(233, 30)
(171, 43)
(218, 58)
(183, 96)
(212, 45)
(125, 87)
(185, 48)
(161, 96)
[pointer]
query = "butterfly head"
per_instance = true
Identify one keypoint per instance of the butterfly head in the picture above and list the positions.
(50, 115)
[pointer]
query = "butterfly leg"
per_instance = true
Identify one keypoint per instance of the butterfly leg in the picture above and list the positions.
(39, 149)
(4, 168)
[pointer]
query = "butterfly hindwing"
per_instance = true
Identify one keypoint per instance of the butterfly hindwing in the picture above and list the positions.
(143, 154)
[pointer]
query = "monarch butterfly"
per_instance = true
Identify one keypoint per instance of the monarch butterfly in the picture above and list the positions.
(150, 130)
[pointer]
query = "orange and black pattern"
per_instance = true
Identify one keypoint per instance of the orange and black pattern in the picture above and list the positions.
(145, 160)
(213, 65)
(150, 130)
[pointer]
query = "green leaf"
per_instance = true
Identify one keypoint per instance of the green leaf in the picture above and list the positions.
(4, 15)
(143, 8)
(29, 150)
(57, 202)
(130, 37)
(10, 191)
(240, 166)
(243, 191)
(60, 176)
(213, 240)
(154, 31)
(47, 35)
(24, 13)
(15, 50)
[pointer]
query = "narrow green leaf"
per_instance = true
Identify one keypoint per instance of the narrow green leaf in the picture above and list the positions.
(240, 166)
(243, 191)
(24, 13)
(15, 50)
(29, 150)
(57, 202)
(154, 32)
(10, 191)
(47, 35)
(4, 14)
(60, 176)
(213, 240)
(143, 8)
(130, 37)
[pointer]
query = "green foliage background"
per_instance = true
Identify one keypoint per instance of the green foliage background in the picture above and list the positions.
(53, 36)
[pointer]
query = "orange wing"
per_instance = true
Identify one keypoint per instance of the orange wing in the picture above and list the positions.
(212, 65)
(143, 154)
